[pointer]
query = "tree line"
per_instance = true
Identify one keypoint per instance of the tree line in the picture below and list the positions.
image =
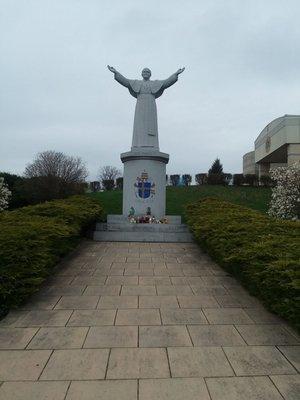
(110, 178)
(55, 175)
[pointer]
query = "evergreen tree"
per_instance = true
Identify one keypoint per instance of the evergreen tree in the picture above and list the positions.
(216, 168)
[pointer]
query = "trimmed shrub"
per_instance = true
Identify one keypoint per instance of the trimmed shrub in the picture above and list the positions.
(174, 179)
(187, 179)
(266, 181)
(34, 238)
(119, 183)
(251, 179)
(263, 253)
(216, 179)
(201, 179)
(108, 184)
(238, 179)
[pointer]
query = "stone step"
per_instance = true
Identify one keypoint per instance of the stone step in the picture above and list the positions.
(119, 229)
(142, 236)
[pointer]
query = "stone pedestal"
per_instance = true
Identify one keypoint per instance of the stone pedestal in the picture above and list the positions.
(144, 182)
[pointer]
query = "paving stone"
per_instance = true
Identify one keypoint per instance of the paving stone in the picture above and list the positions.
(77, 302)
(33, 390)
(44, 318)
(196, 272)
(116, 270)
(89, 280)
(179, 280)
(247, 301)
(163, 336)
(197, 301)
(103, 390)
(182, 316)
(175, 389)
(258, 360)
(215, 335)
(205, 290)
(113, 259)
(198, 362)
(195, 281)
(112, 302)
(288, 385)
(261, 316)
(92, 318)
(138, 317)
(179, 290)
(292, 353)
(109, 290)
(16, 338)
(57, 280)
(122, 280)
(12, 317)
(273, 335)
(226, 300)
(40, 303)
(58, 338)
(138, 290)
(76, 365)
(154, 280)
(163, 271)
(112, 336)
(138, 363)
(129, 266)
(227, 316)
(246, 388)
(138, 259)
(138, 271)
(158, 302)
(22, 365)
(136, 267)
(101, 272)
(67, 290)
(219, 280)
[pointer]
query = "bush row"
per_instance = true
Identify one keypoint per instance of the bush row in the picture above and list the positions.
(263, 253)
(33, 238)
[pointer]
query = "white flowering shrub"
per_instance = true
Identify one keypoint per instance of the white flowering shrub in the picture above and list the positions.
(285, 201)
(4, 195)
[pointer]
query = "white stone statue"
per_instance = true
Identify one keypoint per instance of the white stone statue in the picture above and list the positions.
(145, 132)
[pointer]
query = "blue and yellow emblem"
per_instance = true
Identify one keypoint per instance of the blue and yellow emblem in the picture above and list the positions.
(144, 187)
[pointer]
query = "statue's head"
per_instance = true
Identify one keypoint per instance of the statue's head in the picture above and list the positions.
(146, 73)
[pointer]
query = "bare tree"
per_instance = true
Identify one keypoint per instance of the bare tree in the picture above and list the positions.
(108, 172)
(54, 175)
(56, 164)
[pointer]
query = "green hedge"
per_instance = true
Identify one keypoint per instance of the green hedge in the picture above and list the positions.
(34, 238)
(263, 253)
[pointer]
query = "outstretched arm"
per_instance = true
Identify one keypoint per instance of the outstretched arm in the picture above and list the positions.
(173, 78)
(119, 77)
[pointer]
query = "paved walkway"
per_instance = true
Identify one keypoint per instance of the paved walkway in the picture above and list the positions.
(127, 321)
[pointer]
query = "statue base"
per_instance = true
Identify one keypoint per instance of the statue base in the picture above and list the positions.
(144, 184)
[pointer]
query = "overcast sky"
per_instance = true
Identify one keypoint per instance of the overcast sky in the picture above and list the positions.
(242, 60)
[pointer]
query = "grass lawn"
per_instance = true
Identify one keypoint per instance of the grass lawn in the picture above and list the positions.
(178, 197)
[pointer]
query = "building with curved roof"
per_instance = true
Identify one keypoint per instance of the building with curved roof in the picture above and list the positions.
(278, 144)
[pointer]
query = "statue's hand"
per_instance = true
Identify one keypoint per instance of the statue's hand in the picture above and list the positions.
(180, 71)
(112, 69)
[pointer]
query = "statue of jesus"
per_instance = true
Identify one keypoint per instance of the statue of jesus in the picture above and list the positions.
(145, 132)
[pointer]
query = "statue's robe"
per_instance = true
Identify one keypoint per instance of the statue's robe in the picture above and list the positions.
(145, 131)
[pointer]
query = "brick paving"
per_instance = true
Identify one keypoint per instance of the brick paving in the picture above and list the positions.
(145, 321)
